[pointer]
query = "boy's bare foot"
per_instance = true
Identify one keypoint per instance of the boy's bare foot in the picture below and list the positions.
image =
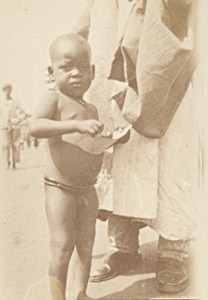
(14, 166)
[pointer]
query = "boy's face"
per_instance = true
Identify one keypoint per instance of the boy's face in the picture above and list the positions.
(72, 68)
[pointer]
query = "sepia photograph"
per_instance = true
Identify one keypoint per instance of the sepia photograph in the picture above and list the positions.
(104, 149)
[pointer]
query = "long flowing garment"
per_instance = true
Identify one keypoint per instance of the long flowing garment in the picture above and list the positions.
(155, 180)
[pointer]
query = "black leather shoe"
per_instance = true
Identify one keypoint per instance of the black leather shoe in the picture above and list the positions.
(171, 275)
(114, 264)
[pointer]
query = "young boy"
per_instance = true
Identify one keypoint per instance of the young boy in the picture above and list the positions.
(71, 200)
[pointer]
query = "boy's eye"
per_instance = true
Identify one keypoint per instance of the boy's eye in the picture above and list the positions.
(66, 68)
(81, 67)
(84, 66)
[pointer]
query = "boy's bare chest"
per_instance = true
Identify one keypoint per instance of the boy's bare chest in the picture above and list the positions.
(68, 110)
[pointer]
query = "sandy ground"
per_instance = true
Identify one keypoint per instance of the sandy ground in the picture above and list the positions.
(24, 244)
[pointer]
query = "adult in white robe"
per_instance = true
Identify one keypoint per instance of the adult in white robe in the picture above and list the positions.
(156, 174)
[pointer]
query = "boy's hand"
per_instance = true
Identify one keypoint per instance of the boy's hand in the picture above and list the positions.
(90, 126)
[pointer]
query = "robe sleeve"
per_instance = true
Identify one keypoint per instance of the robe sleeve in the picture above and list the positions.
(164, 67)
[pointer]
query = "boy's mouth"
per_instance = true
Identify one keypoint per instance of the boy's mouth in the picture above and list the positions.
(76, 84)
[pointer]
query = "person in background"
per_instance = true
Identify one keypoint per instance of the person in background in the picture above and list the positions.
(25, 136)
(11, 116)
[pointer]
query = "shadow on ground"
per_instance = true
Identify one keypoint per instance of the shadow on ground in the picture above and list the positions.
(139, 282)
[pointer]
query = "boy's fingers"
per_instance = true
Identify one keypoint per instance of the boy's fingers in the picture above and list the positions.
(94, 130)
(95, 127)
(101, 129)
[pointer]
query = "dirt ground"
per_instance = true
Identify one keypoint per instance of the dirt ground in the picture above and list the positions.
(24, 244)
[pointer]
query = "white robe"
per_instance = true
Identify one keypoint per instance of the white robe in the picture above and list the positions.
(156, 181)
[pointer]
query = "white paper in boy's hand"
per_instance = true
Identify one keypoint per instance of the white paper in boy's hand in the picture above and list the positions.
(120, 132)
(97, 144)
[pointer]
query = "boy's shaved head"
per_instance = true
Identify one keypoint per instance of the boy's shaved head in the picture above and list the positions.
(62, 40)
(71, 64)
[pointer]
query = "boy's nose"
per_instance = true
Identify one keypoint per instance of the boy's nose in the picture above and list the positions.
(75, 73)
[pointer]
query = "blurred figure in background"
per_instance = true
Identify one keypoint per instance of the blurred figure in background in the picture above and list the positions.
(25, 136)
(11, 116)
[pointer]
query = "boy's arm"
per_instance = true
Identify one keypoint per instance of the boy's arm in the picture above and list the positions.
(43, 125)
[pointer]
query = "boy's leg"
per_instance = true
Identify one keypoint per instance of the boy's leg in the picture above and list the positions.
(61, 210)
(85, 234)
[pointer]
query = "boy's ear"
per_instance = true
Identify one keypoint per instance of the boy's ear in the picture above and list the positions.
(50, 75)
(50, 70)
(93, 71)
